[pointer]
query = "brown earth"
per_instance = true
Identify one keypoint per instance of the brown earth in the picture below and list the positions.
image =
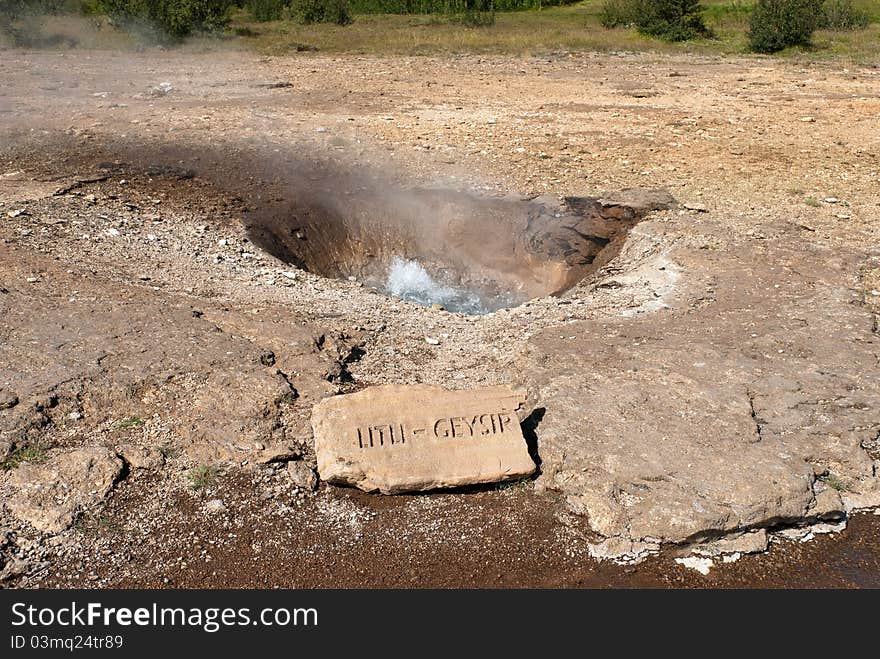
(716, 379)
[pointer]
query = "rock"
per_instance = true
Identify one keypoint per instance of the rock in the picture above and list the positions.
(641, 200)
(274, 453)
(672, 439)
(397, 438)
(141, 457)
(302, 475)
(8, 399)
(622, 550)
(280, 84)
(853, 501)
(701, 565)
(51, 495)
(828, 505)
(696, 208)
(751, 542)
(162, 89)
(432, 341)
(794, 533)
(15, 568)
(828, 527)
(215, 506)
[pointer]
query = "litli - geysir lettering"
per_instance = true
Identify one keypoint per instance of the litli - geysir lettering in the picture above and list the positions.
(453, 427)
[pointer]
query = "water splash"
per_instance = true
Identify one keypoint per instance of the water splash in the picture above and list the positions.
(408, 280)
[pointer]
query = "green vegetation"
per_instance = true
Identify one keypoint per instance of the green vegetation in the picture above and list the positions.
(159, 19)
(273, 10)
(266, 10)
(620, 13)
(22, 454)
(672, 20)
(286, 398)
(448, 6)
(202, 477)
(174, 19)
(308, 12)
(810, 201)
(94, 524)
(570, 27)
(778, 24)
(833, 481)
(844, 15)
(130, 422)
(847, 29)
(519, 483)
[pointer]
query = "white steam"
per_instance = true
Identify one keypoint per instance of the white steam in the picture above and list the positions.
(409, 280)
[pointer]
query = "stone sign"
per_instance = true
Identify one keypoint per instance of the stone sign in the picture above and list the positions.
(399, 438)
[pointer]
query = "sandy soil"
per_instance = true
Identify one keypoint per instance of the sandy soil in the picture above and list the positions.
(136, 300)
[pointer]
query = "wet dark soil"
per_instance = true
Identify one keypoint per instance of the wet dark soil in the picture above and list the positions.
(340, 538)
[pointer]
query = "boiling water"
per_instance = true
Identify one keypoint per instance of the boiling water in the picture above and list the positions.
(409, 280)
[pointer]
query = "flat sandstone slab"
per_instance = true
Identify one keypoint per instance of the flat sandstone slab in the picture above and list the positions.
(404, 438)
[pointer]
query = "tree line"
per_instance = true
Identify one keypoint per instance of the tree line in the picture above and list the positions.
(773, 24)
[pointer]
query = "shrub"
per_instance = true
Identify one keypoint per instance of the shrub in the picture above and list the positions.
(472, 13)
(320, 11)
(673, 20)
(778, 24)
(202, 477)
(266, 10)
(620, 13)
(337, 11)
(841, 15)
(446, 6)
(174, 19)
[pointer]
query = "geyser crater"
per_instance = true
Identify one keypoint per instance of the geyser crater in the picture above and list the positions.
(467, 253)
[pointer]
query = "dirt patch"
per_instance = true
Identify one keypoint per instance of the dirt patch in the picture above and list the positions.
(267, 537)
